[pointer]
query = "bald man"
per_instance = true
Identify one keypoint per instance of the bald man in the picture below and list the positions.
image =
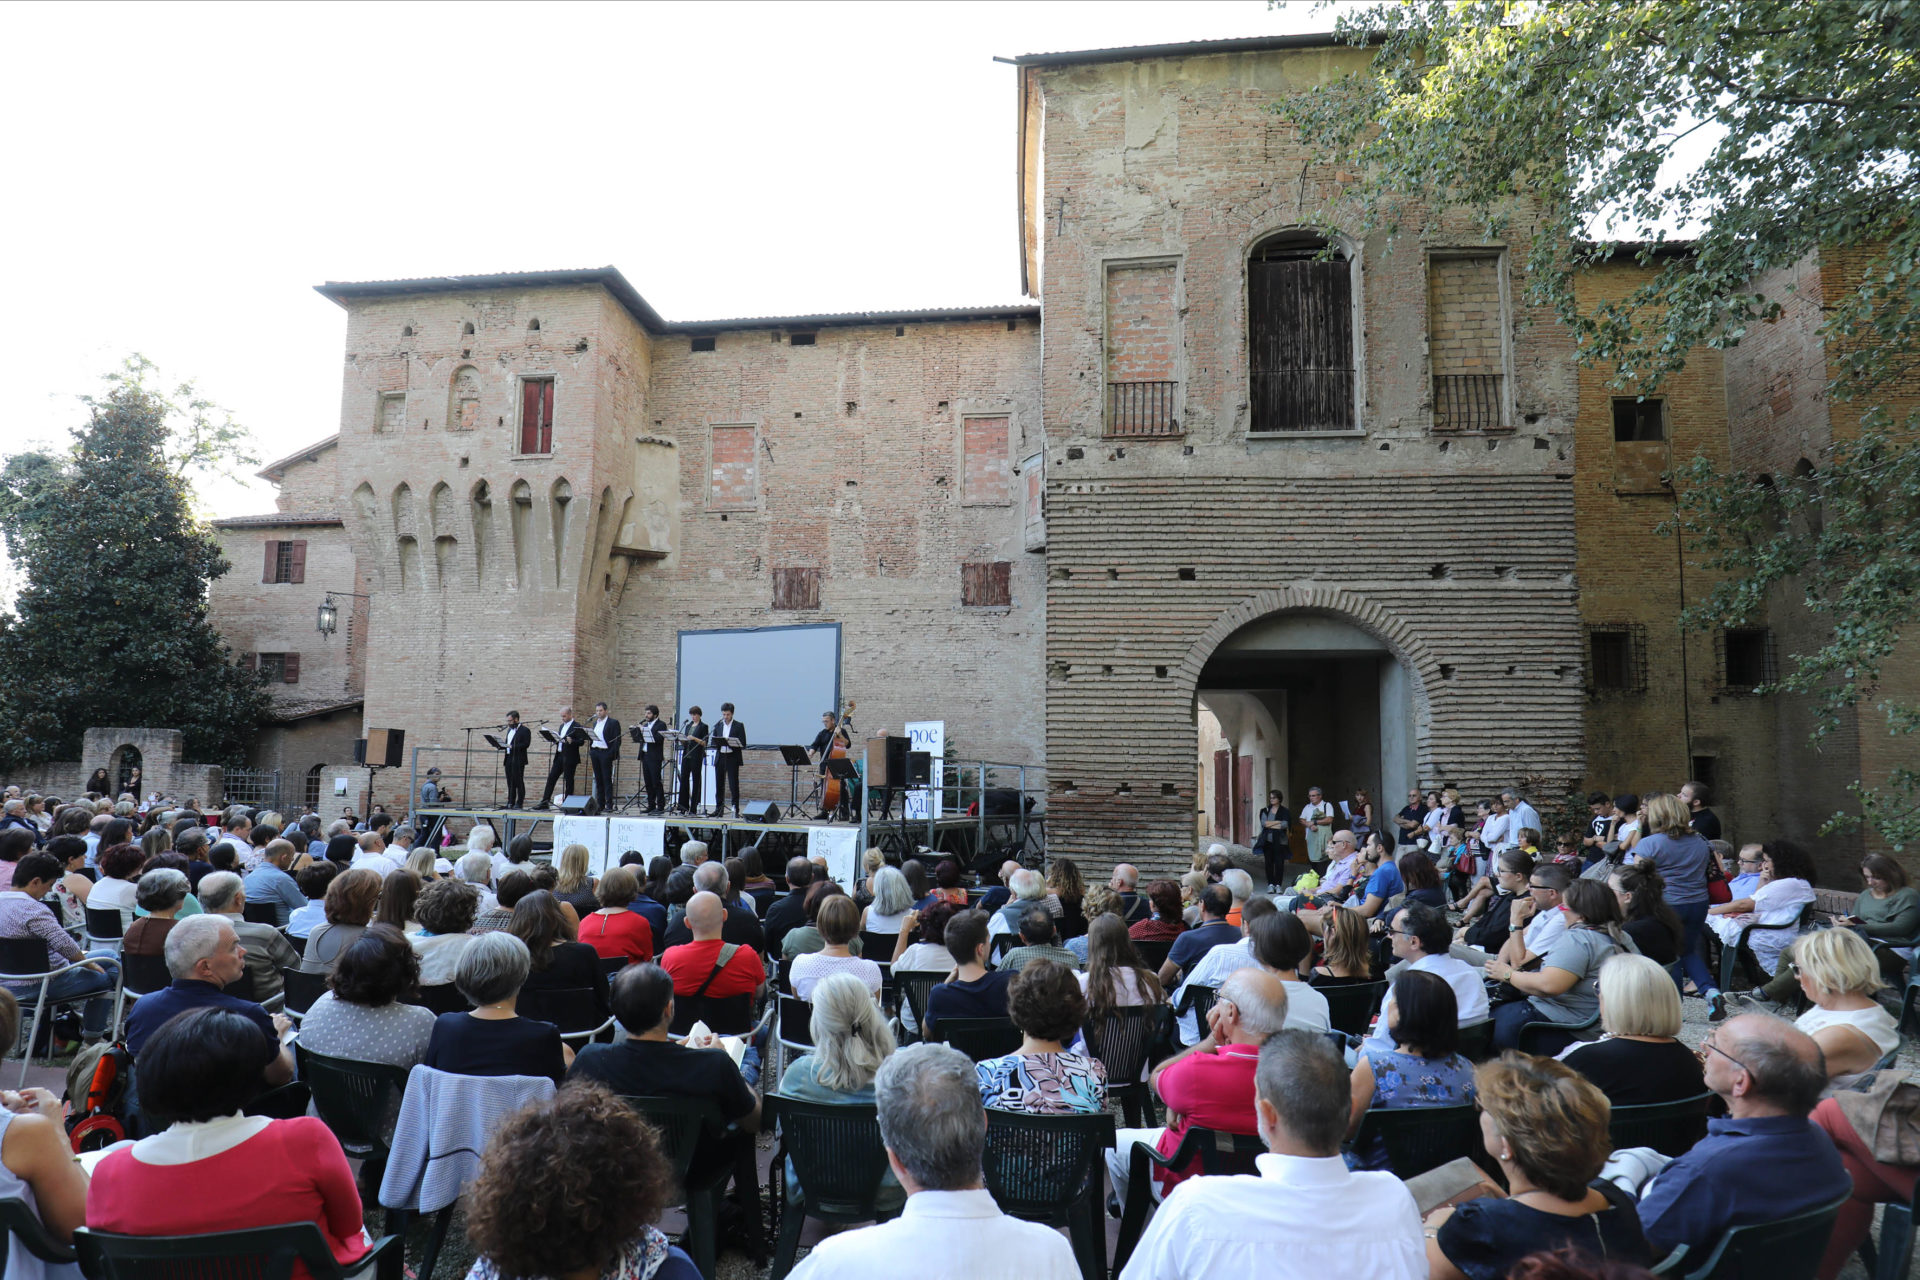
(713, 969)
(1766, 1160)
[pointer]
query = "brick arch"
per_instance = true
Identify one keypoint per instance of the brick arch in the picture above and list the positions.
(1391, 630)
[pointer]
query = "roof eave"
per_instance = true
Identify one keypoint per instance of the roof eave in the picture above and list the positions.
(1194, 48)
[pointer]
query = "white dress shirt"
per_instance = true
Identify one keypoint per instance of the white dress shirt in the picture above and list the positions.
(1524, 815)
(600, 733)
(1469, 985)
(1498, 832)
(378, 863)
(955, 1235)
(1545, 929)
(1299, 1219)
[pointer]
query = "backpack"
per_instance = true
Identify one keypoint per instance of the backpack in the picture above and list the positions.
(97, 1084)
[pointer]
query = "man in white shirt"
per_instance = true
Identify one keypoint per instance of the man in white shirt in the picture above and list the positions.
(373, 855)
(1317, 818)
(1521, 814)
(935, 1128)
(1422, 939)
(1304, 1215)
(1279, 948)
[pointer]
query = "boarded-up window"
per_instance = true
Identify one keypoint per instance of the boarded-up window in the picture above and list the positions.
(1034, 472)
(733, 478)
(987, 480)
(1746, 659)
(286, 561)
(1300, 337)
(536, 415)
(463, 404)
(1616, 658)
(393, 413)
(1640, 453)
(1143, 319)
(796, 588)
(1466, 341)
(987, 586)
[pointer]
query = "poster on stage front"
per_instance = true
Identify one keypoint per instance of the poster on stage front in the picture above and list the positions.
(929, 736)
(572, 828)
(633, 835)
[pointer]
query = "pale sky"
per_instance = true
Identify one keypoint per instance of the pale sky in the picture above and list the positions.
(183, 175)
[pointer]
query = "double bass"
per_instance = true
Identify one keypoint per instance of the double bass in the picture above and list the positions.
(835, 790)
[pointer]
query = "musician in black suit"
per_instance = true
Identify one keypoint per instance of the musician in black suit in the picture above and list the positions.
(566, 756)
(648, 734)
(517, 740)
(693, 754)
(729, 739)
(603, 748)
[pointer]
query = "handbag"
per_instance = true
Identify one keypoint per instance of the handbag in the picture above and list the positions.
(1884, 1109)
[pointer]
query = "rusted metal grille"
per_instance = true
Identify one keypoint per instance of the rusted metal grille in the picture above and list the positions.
(1301, 343)
(1467, 402)
(1616, 658)
(1141, 409)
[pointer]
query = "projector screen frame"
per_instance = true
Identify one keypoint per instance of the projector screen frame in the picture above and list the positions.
(679, 691)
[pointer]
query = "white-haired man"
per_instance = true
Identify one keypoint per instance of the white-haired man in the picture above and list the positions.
(203, 955)
(1027, 887)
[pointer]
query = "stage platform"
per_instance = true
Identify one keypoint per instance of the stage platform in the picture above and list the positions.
(608, 836)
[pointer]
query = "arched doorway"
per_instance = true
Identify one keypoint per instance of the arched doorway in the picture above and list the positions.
(1301, 699)
(124, 768)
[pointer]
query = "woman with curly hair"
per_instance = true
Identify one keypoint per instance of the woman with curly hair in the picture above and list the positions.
(350, 903)
(568, 1190)
(1043, 1077)
(1067, 887)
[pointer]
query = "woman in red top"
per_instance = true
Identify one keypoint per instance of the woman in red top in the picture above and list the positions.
(615, 930)
(1166, 923)
(197, 1074)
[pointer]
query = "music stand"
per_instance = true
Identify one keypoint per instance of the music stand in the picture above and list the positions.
(842, 768)
(796, 759)
(493, 742)
(548, 735)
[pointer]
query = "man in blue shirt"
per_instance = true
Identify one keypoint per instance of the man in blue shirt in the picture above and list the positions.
(269, 882)
(1766, 1160)
(203, 955)
(1213, 930)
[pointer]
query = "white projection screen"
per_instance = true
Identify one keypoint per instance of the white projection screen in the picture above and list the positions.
(779, 679)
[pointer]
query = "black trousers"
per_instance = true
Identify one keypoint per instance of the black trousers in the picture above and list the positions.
(516, 782)
(1277, 856)
(726, 773)
(690, 765)
(602, 776)
(656, 788)
(563, 767)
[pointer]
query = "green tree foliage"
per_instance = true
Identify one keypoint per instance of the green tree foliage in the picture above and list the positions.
(1766, 130)
(110, 625)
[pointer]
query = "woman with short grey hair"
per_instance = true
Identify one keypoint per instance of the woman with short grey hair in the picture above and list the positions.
(491, 1039)
(160, 893)
(851, 1041)
(892, 899)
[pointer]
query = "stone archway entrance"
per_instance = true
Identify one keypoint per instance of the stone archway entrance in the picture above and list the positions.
(124, 770)
(1299, 699)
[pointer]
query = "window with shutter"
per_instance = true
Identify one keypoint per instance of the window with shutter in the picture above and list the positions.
(272, 668)
(290, 668)
(536, 415)
(987, 586)
(273, 562)
(297, 562)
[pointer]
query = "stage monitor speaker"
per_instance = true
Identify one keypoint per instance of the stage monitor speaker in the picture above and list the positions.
(576, 804)
(760, 811)
(887, 761)
(386, 747)
(920, 768)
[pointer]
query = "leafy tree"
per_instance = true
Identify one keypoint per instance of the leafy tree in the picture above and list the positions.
(1768, 130)
(110, 625)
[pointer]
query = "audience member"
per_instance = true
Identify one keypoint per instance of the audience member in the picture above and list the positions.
(350, 902)
(476, 869)
(892, 899)
(491, 1039)
(790, 911)
(1566, 988)
(1211, 1084)
(1038, 941)
(203, 956)
(558, 962)
(1488, 913)
(1043, 1077)
(399, 896)
(1650, 922)
(1116, 977)
(1546, 1125)
(1280, 948)
(1347, 956)
(36, 1163)
(1681, 856)
(313, 880)
(1539, 921)
(1422, 943)
(1785, 892)
(1837, 972)
(935, 1131)
(269, 882)
(446, 910)
(160, 894)
(1765, 1160)
(214, 1168)
(839, 922)
(75, 973)
(1886, 912)
(805, 937)
(1640, 1060)
(1303, 1214)
(739, 925)
(508, 890)
(575, 883)
(74, 886)
(713, 969)
(850, 1041)
(362, 1015)
(119, 866)
(268, 951)
(1412, 1061)
(616, 930)
(571, 1190)
(1212, 931)
(1166, 923)
(974, 991)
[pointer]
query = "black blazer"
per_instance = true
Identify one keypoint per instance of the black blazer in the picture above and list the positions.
(519, 738)
(659, 727)
(737, 731)
(569, 751)
(696, 737)
(613, 736)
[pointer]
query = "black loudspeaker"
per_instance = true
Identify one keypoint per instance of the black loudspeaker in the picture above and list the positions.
(577, 804)
(386, 747)
(919, 768)
(760, 811)
(1003, 802)
(887, 761)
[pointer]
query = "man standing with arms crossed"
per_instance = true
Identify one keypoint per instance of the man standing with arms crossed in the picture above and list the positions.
(1317, 818)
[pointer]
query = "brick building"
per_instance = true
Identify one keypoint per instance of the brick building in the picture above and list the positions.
(1357, 512)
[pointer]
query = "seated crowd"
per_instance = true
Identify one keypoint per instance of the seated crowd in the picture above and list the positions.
(1295, 1022)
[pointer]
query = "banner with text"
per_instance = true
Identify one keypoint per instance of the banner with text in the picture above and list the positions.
(625, 835)
(572, 828)
(929, 736)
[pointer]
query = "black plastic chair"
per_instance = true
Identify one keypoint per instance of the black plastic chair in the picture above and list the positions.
(102, 924)
(1153, 954)
(795, 1028)
(611, 965)
(301, 990)
(684, 1124)
(258, 1253)
(1217, 1151)
(575, 1010)
(1421, 1138)
(355, 1100)
(1002, 943)
(914, 985)
(20, 1223)
(979, 1038)
(724, 1015)
(1891, 1256)
(878, 947)
(1124, 1042)
(261, 913)
(1350, 1007)
(1197, 1000)
(1549, 1038)
(839, 1159)
(1476, 1040)
(442, 997)
(1671, 1128)
(1741, 952)
(1050, 1169)
(1785, 1249)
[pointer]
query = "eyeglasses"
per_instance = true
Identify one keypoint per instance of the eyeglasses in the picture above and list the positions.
(1543, 888)
(1403, 933)
(1711, 1047)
